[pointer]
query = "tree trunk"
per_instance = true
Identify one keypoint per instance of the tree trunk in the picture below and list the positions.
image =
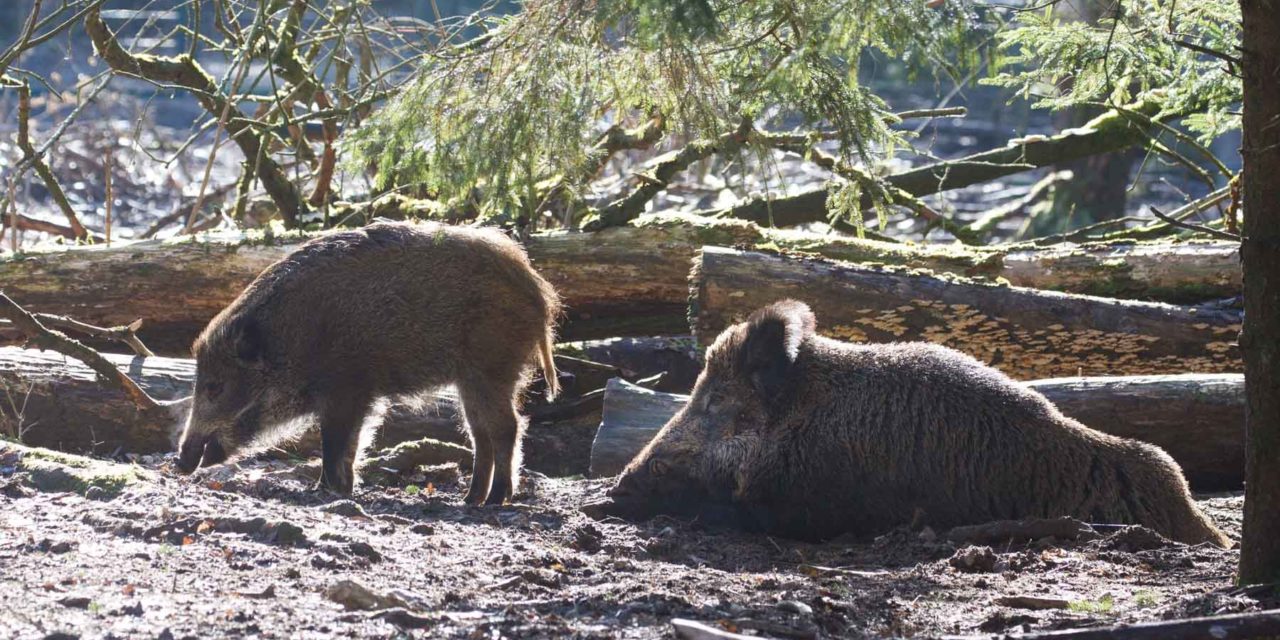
(1197, 419)
(1260, 547)
(1026, 333)
(622, 281)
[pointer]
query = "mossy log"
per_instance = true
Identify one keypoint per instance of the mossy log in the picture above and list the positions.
(50, 401)
(1027, 333)
(1197, 419)
(621, 281)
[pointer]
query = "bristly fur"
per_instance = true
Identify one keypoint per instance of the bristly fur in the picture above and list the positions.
(811, 437)
(390, 310)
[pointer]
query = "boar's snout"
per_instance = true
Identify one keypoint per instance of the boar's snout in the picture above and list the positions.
(197, 452)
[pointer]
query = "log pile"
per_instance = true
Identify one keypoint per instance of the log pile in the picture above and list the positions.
(624, 281)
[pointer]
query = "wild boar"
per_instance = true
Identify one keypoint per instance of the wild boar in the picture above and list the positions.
(390, 310)
(808, 437)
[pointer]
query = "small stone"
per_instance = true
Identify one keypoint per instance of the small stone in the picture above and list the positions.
(422, 529)
(62, 546)
(346, 508)
(796, 607)
(928, 535)
(587, 538)
(355, 596)
(75, 602)
(364, 550)
(94, 492)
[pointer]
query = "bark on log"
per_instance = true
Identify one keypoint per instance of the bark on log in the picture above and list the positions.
(56, 402)
(622, 281)
(1197, 419)
(1026, 333)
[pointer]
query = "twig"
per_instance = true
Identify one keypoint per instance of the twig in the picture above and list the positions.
(18, 221)
(44, 338)
(1196, 227)
(108, 183)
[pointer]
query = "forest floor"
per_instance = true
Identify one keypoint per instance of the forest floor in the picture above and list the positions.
(254, 551)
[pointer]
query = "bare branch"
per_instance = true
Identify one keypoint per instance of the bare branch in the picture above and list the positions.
(1199, 228)
(42, 337)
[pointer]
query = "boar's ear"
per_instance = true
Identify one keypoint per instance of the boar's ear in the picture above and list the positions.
(772, 344)
(248, 342)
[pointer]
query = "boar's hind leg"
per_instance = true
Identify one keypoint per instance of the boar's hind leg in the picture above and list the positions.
(340, 423)
(495, 430)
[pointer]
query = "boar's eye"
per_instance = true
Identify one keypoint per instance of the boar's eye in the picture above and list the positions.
(212, 389)
(658, 467)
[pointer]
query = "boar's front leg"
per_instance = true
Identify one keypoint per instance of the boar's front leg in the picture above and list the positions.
(340, 422)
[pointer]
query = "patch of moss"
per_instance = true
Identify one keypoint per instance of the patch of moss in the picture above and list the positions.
(49, 470)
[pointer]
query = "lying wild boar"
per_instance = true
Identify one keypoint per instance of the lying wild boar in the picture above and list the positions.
(808, 437)
(352, 317)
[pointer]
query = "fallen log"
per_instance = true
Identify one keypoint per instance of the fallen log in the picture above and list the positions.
(1237, 626)
(1026, 333)
(622, 281)
(1197, 419)
(47, 400)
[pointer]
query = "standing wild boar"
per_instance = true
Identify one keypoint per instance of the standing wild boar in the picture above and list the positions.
(390, 310)
(810, 437)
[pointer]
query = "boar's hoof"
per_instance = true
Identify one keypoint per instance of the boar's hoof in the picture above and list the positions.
(341, 485)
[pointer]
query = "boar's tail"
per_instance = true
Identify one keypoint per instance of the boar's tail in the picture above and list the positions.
(549, 365)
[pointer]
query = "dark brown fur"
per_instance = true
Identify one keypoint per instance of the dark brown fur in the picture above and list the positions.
(811, 437)
(391, 310)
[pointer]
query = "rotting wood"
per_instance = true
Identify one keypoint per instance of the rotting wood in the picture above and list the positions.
(1026, 333)
(631, 418)
(1001, 531)
(1197, 419)
(622, 281)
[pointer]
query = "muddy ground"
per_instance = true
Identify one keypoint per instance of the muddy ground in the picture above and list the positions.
(255, 552)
